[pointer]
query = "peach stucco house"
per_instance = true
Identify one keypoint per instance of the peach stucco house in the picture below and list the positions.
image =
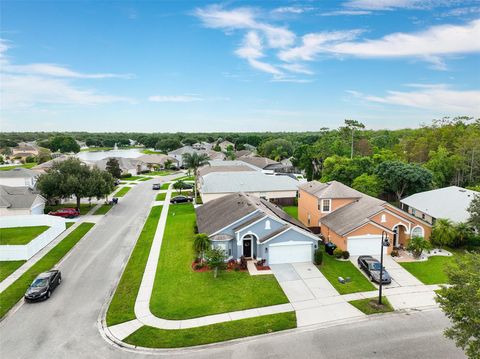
(355, 221)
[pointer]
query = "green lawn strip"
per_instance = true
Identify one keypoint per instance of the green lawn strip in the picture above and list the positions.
(103, 209)
(151, 152)
(291, 210)
(26, 165)
(134, 178)
(121, 308)
(20, 235)
(161, 338)
(122, 191)
(69, 224)
(145, 179)
(181, 293)
(84, 207)
(165, 185)
(185, 178)
(8, 267)
(332, 269)
(10, 296)
(95, 149)
(161, 197)
(160, 173)
(368, 306)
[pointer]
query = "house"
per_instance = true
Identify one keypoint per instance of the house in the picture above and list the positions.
(18, 177)
(278, 189)
(179, 152)
(214, 155)
(25, 150)
(248, 226)
(20, 201)
(157, 160)
(224, 145)
(202, 146)
(355, 221)
(263, 163)
(243, 153)
(45, 166)
(127, 165)
(202, 171)
(449, 202)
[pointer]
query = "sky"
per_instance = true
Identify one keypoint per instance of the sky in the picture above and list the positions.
(200, 66)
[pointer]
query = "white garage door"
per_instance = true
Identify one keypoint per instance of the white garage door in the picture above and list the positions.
(365, 245)
(290, 253)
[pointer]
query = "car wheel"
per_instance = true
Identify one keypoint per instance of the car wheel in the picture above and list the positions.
(59, 280)
(49, 294)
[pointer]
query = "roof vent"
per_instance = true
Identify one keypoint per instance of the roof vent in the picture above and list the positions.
(462, 190)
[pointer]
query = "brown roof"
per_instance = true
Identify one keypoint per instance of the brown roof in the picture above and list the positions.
(202, 171)
(260, 162)
(332, 189)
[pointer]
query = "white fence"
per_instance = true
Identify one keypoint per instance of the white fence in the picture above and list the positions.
(25, 252)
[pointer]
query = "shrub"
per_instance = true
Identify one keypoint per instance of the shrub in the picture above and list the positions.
(243, 263)
(346, 254)
(126, 175)
(394, 253)
(318, 256)
(417, 245)
(338, 253)
(261, 262)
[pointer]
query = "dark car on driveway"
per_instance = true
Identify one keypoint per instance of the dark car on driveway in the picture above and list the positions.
(156, 186)
(371, 267)
(43, 286)
(65, 212)
(180, 199)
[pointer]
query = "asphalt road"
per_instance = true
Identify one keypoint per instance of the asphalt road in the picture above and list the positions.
(66, 325)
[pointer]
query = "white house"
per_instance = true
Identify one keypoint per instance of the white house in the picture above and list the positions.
(18, 177)
(20, 201)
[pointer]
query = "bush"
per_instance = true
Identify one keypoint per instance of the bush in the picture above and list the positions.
(338, 253)
(346, 254)
(417, 245)
(126, 175)
(318, 256)
(394, 253)
(243, 263)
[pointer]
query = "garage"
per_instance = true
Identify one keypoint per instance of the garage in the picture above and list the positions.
(290, 252)
(365, 245)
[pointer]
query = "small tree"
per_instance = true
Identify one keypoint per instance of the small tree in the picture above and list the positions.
(463, 232)
(443, 232)
(113, 167)
(216, 259)
(461, 303)
(193, 161)
(417, 245)
(201, 243)
(474, 210)
(179, 185)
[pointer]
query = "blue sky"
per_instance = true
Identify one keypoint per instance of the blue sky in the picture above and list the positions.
(158, 66)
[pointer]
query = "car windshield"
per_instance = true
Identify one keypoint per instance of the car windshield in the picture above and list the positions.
(375, 266)
(39, 282)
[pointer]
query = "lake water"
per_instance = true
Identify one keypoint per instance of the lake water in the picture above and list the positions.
(96, 156)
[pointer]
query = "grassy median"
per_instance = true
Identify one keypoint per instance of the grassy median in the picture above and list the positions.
(103, 209)
(122, 192)
(10, 296)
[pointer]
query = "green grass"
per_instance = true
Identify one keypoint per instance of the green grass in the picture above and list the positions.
(332, 269)
(122, 191)
(121, 308)
(165, 185)
(368, 306)
(20, 235)
(291, 210)
(25, 165)
(10, 296)
(185, 178)
(8, 267)
(103, 209)
(145, 179)
(160, 197)
(150, 152)
(160, 173)
(180, 293)
(160, 338)
(94, 149)
(135, 178)
(69, 224)
(84, 207)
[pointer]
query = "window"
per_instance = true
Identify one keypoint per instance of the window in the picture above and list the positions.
(414, 212)
(326, 205)
(308, 219)
(423, 215)
(384, 218)
(267, 224)
(417, 231)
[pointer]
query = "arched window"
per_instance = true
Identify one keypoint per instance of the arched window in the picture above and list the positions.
(267, 224)
(384, 218)
(417, 231)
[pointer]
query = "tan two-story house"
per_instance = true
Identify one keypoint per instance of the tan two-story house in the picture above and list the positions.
(355, 221)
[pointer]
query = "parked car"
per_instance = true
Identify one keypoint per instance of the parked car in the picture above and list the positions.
(43, 286)
(156, 186)
(181, 199)
(371, 267)
(117, 182)
(65, 212)
(186, 185)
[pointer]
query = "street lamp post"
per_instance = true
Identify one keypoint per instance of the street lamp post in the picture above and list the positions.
(385, 243)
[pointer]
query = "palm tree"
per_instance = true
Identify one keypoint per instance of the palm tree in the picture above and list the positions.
(463, 232)
(193, 161)
(443, 232)
(200, 244)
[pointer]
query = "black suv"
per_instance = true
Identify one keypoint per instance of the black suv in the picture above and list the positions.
(43, 286)
(371, 267)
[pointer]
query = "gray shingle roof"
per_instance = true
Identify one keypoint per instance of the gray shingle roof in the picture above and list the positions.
(17, 197)
(208, 169)
(332, 189)
(124, 163)
(159, 159)
(18, 173)
(260, 162)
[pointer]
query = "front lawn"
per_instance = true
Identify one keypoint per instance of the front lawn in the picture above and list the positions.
(25, 165)
(165, 185)
(20, 235)
(84, 207)
(185, 178)
(8, 267)
(134, 178)
(181, 293)
(103, 209)
(370, 305)
(151, 152)
(291, 210)
(10, 296)
(121, 308)
(161, 338)
(122, 191)
(332, 269)
(160, 173)
(161, 197)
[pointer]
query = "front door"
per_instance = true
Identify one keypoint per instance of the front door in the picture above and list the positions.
(247, 248)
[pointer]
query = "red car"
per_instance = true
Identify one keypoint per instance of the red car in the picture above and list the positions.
(65, 213)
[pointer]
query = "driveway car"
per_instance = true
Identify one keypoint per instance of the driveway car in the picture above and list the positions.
(181, 199)
(65, 212)
(371, 267)
(156, 186)
(43, 286)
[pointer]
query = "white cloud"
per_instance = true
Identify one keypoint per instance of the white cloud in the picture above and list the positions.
(291, 10)
(346, 12)
(251, 50)
(384, 4)
(175, 98)
(55, 70)
(433, 97)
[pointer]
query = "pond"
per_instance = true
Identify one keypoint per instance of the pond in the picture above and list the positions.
(90, 156)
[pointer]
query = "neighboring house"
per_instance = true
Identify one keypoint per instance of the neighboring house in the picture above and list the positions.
(179, 152)
(202, 171)
(264, 163)
(127, 165)
(225, 144)
(243, 153)
(202, 146)
(24, 150)
(245, 225)
(157, 160)
(449, 202)
(355, 221)
(20, 201)
(45, 166)
(19, 177)
(214, 155)
(278, 189)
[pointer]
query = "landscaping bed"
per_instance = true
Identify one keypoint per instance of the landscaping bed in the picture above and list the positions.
(122, 191)
(10, 296)
(371, 306)
(180, 293)
(20, 235)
